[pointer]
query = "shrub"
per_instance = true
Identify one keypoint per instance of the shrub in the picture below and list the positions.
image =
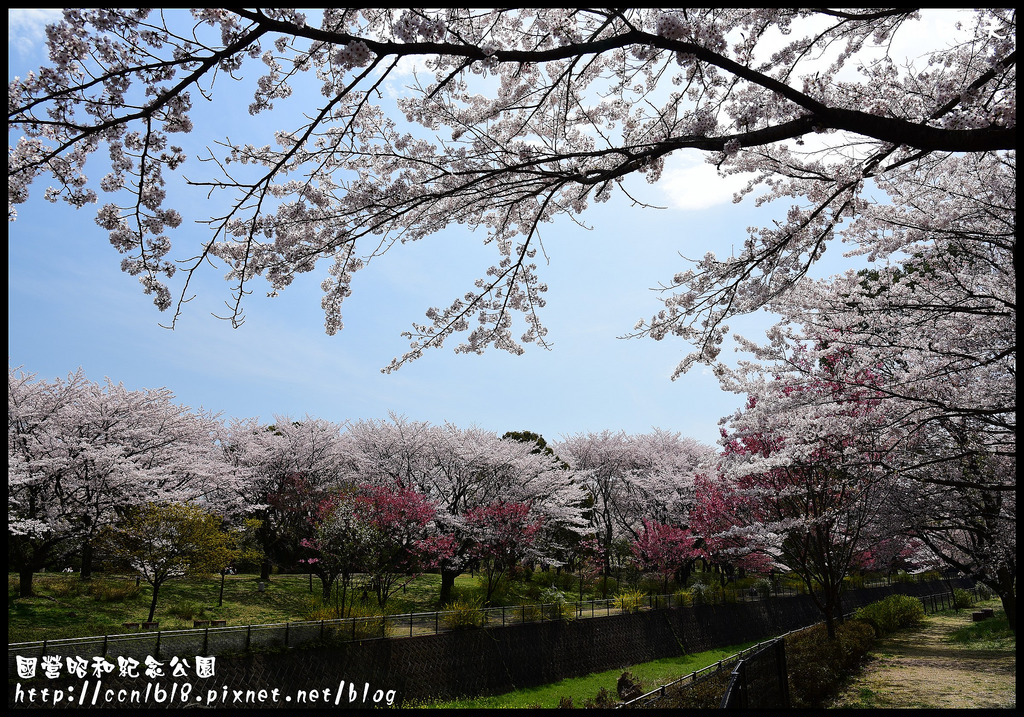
(565, 703)
(186, 609)
(104, 591)
(682, 598)
(706, 594)
(892, 613)
(853, 582)
(600, 587)
(319, 610)
(818, 665)
(630, 600)
(628, 686)
(962, 598)
(368, 623)
(464, 614)
(562, 580)
(557, 605)
(67, 587)
(602, 700)
(984, 592)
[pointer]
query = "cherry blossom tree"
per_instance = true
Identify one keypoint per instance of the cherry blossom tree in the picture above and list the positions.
(401, 543)
(524, 115)
(502, 535)
(82, 453)
(717, 525)
(291, 510)
(807, 486)
(632, 478)
(969, 525)
(37, 530)
(462, 469)
(287, 469)
(662, 549)
(891, 555)
(935, 319)
(338, 543)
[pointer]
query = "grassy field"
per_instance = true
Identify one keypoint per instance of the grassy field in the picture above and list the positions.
(581, 689)
(65, 606)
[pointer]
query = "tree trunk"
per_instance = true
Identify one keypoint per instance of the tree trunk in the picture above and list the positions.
(265, 570)
(830, 626)
(25, 581)
(447, 584)
(833, 610)
(86, 573)
(1006, 589)
(152, 605)
(344, 589)
(1010, 607)
(326, 581)
(220, 598)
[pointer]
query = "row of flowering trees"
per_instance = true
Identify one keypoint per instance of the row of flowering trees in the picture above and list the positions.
(384, 499)
(804, 481)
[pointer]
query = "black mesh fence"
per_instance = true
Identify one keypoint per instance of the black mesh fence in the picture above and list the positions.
(757, 678)
(518, 647)
(759, 681)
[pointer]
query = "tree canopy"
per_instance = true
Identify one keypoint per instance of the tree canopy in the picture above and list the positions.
(524, 115)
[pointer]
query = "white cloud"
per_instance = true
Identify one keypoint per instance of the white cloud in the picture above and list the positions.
(26, 27)
(691, 183)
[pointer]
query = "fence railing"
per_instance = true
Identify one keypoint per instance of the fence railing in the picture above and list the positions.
(759, 680)
(212, 640)
(240, 638)
(759, 677)
(944, 600)
(687, 681)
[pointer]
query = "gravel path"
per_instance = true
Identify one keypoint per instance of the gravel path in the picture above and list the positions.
(924, 669)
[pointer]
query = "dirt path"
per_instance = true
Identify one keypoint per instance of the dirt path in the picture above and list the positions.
(924, 669)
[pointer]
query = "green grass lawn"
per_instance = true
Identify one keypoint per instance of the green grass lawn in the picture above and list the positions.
(581, 689)
(65, 606)
(991, 634)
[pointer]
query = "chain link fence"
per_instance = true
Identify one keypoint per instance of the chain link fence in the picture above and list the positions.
(756, 678)
(759, 680)
(217, 640)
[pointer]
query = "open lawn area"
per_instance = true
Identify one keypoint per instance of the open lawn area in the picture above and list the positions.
(65, 606)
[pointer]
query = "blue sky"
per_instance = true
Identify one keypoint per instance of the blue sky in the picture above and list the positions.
(71, 306)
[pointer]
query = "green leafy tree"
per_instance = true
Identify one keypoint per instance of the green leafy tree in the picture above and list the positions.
(163, 542)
